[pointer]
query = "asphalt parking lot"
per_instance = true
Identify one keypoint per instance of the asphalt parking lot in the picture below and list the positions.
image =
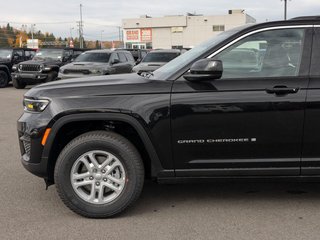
(184, 211)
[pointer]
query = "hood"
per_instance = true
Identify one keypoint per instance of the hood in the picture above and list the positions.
(5, 60)
(122, 84)
(150, 66)
(43, 61)
(86, 65)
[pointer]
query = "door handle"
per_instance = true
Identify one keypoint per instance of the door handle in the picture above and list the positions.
(280, 90)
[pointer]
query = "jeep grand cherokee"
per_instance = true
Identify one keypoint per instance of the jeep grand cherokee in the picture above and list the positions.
(201, 116)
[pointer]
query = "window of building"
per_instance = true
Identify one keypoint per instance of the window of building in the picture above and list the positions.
(218, 28)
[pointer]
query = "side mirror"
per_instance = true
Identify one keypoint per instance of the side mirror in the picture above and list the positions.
(15, 57)
(205, 69)
(115, 61)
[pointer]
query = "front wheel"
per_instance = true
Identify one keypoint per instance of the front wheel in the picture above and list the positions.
(99, 174)
(4, 79)
(18, 84)
(52, 76)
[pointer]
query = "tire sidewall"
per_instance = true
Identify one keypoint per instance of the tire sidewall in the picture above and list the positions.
(64, 183)
(18, 84)
(5, 78)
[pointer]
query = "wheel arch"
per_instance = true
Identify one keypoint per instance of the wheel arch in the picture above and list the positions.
(56, 128)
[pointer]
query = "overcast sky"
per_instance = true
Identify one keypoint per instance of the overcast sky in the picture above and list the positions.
(58, 16)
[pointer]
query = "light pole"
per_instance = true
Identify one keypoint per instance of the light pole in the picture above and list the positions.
(32, 29)
(81, 28)
(101, 39)
(71, 33)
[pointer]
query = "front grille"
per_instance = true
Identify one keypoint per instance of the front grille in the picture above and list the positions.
(29, 67)
(76, 71)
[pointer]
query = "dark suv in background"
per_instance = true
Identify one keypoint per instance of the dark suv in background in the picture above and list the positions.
(98, 62)
(155, 59)
(43, 67)
(10, 57)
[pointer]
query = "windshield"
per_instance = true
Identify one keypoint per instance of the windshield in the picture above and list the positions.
(160, 56)
(93, 57)
(55, 54)
(170, 68)
(5, 54)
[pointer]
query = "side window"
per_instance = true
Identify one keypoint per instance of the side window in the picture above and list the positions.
(114, 56)
(122, 57)
(18, 53)
(129, 57)
(67, 53)
(273, 53)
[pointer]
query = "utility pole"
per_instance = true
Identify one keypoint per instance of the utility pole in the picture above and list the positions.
(81, 28)
(285, 8)
(71, 32)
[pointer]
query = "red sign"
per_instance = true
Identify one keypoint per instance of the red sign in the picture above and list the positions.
(132, 35)
(146, 34)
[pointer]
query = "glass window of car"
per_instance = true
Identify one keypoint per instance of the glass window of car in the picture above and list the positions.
(122, 57)
(160, 56)
(114, 56)
(18, 53)
(29, 54)
(273, 53)
(5, 54)
(129, 57)
(55, 54)
(102, 57)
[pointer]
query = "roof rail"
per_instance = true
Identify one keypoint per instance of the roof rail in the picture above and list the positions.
(306, 18)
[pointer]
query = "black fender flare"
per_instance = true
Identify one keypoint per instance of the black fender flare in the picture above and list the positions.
(156, 166)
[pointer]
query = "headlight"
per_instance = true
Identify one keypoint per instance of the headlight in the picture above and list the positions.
(96, 71)
(14, 67)
(35, 105)
(47, 68)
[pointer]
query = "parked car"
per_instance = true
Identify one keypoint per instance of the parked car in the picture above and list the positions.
(138, 54)
(155, 59)
(98, 62)
(43, 67)
(98, 139)
(9, 57)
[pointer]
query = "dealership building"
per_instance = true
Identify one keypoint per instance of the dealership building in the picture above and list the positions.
(178, 31)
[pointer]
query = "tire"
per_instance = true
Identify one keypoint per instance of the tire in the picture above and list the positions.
(4, 79)
(83, 200)
(17, 84)
(52, 76)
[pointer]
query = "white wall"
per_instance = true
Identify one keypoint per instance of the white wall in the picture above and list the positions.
(196, 29)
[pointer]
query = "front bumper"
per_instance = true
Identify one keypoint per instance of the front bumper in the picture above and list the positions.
(30, 77)
(30, 132)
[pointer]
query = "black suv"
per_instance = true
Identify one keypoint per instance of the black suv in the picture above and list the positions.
(10, 57)
(44, 66)
(207, 114)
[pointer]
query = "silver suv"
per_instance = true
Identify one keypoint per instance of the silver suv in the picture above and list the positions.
(98, 62)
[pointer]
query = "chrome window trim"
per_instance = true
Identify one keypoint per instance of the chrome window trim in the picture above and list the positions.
(257, 31)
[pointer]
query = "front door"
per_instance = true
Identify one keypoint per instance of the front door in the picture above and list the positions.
(249, 122)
